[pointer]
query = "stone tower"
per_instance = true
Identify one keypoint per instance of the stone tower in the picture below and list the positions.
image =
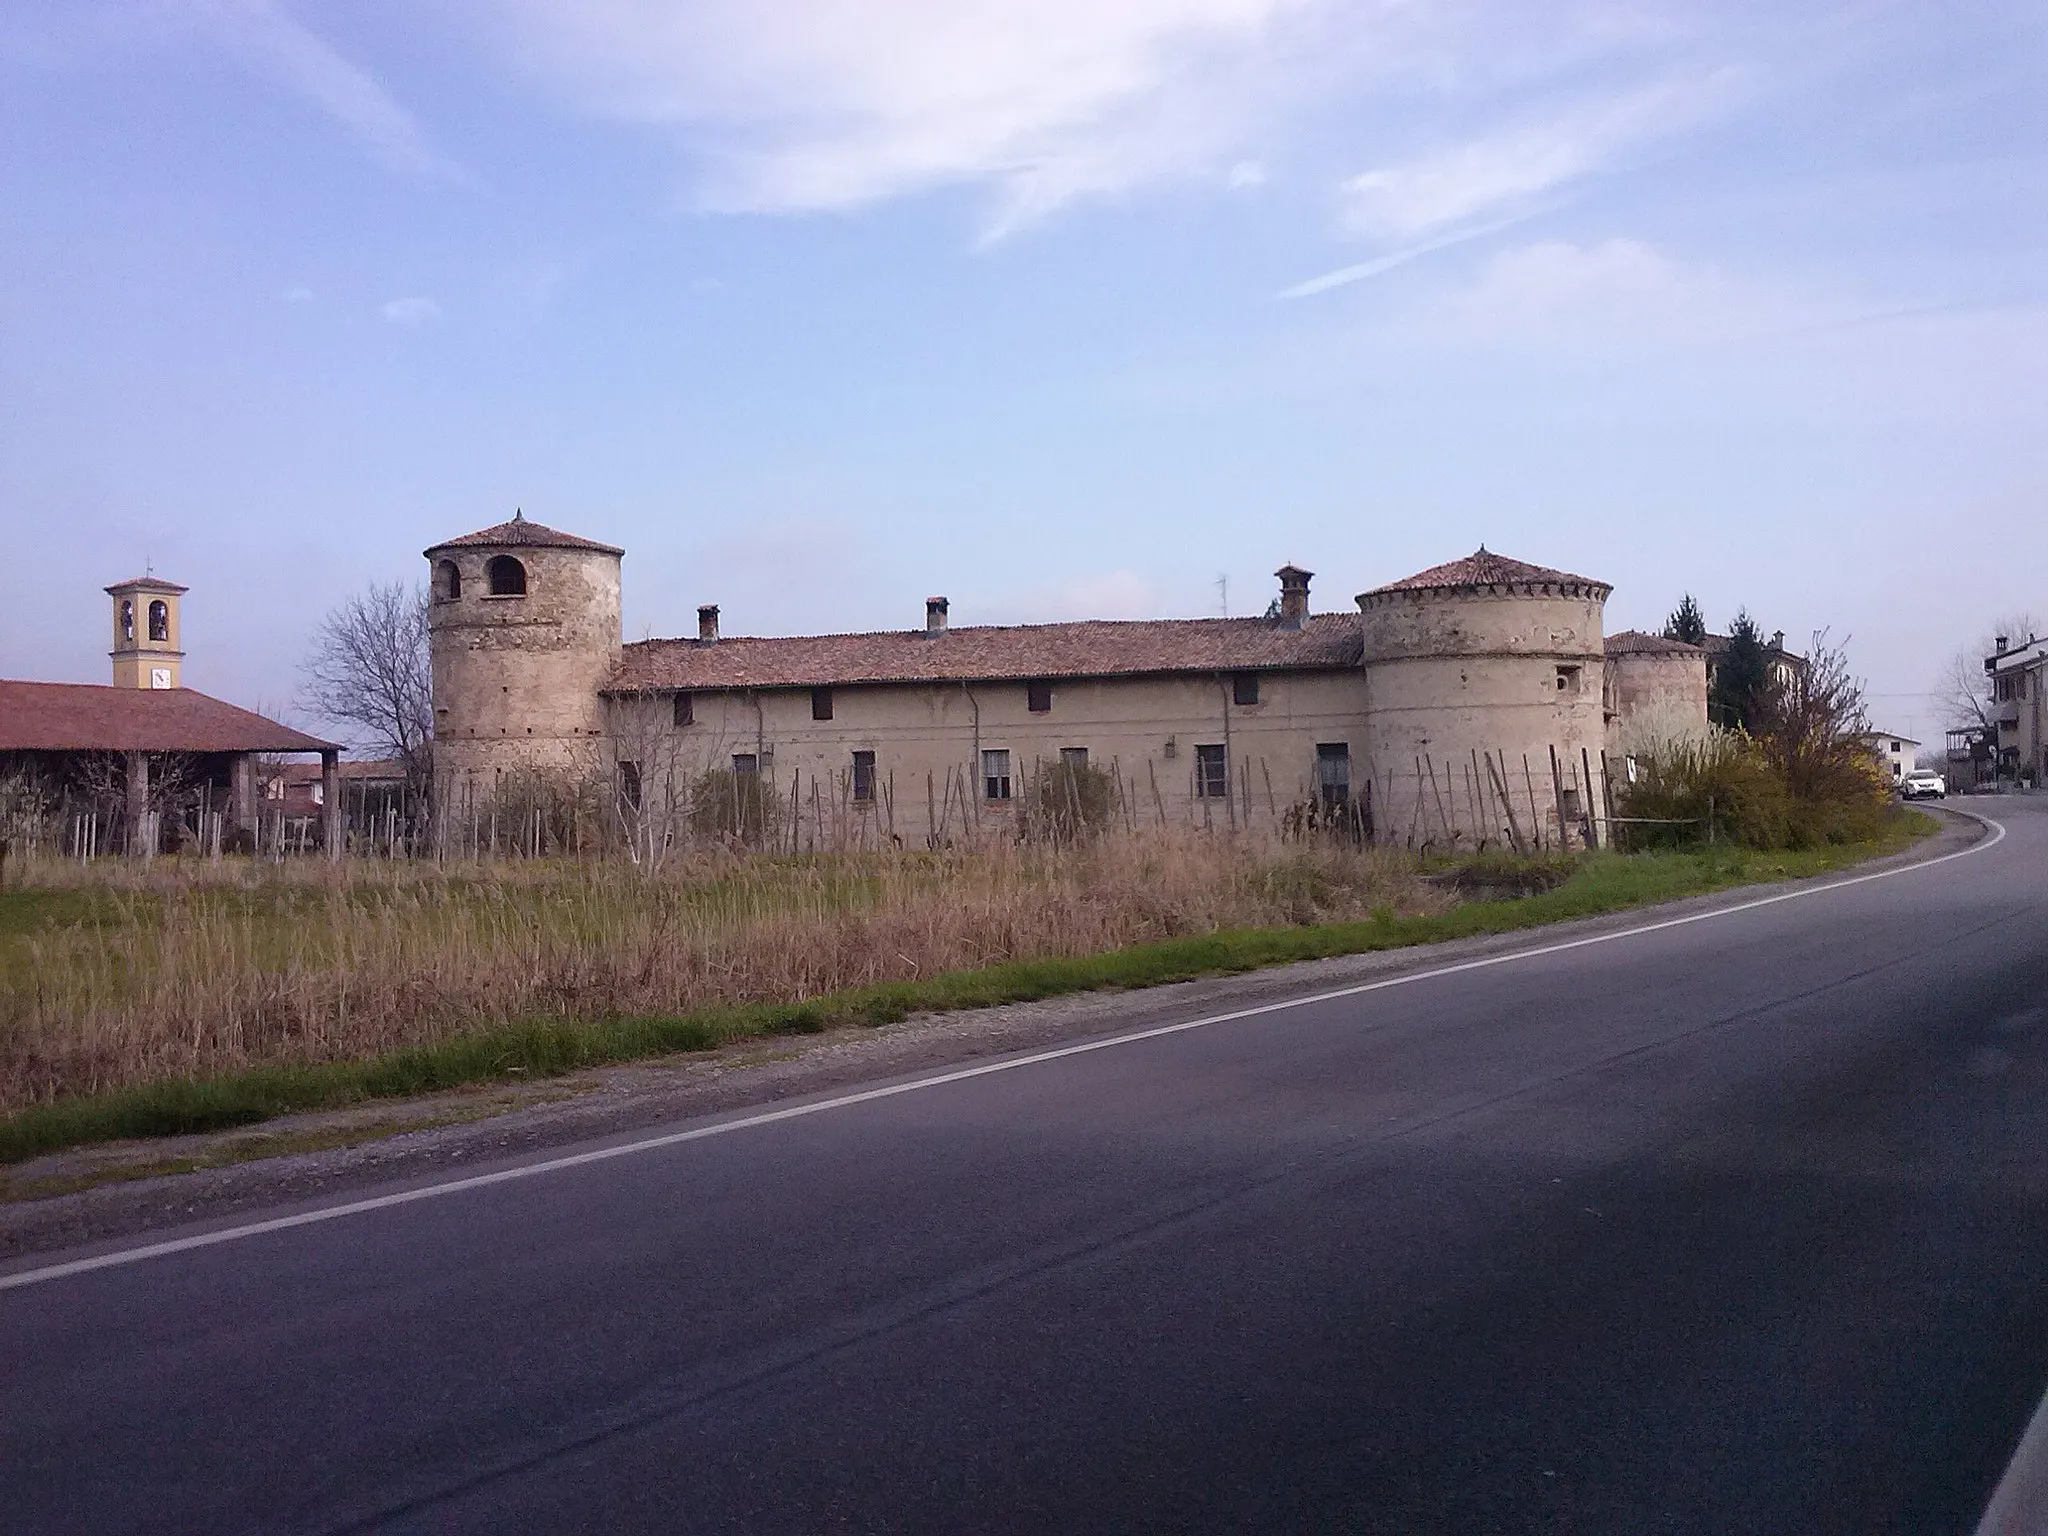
(523, 628)
(1486, 657)
(146, 633)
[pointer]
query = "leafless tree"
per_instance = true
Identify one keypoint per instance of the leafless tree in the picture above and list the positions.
(1963, 687)
(368, 672)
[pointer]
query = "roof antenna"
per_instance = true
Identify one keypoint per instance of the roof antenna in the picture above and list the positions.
(1223, 592)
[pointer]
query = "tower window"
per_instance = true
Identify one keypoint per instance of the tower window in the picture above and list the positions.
(1568, 679)
(447, 581)
(160, 620)
(127, 621)
(821, 703)
(506, 576)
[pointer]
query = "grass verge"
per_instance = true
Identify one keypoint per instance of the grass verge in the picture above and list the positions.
(548, 1047)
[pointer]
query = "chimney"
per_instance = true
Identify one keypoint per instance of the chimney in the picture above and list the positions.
(707, 622)
(934, 615)
(1778, 640)
(2001, 644)
(1293, 595)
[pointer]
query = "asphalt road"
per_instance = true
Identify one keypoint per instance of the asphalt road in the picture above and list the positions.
(1740, 1225)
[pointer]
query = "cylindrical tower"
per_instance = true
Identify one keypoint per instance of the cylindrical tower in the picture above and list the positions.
(1477, 672)
(523, 628)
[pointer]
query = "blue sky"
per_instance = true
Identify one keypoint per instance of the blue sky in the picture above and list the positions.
(1062, 309)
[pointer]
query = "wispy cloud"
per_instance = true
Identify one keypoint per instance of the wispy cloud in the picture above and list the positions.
(269, 40)
(1360, 271)
(411, 312)
(815, 105)
(1512, 169)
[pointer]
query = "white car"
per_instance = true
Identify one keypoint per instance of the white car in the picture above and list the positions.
(1923, 784)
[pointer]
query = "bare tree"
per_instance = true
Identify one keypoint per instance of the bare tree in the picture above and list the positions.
(1963, 687)
(368, 672)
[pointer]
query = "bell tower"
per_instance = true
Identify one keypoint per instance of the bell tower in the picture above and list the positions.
(145, 652)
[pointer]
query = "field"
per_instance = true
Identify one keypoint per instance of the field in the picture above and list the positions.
(179, 996)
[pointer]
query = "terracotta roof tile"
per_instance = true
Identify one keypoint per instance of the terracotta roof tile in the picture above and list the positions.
(88, 717)
(1635, 642)
(1015, 653)
(1485, 569)
(147, 584)
(522, 534)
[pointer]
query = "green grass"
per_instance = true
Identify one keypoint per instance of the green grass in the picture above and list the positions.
(548, 1047)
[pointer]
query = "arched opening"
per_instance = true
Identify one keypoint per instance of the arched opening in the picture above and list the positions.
(506, 576)
(127, 621)
(160, 620)
(447, 581)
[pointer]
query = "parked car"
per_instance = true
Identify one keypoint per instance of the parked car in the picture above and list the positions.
(1923, 784)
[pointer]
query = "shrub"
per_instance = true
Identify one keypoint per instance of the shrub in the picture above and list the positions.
(1065, 801)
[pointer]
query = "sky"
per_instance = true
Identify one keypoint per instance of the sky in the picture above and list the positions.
(1063, 309)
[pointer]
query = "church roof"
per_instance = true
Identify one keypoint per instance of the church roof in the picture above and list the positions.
(1634, 642)
(519, 533)
(1483, 568)
(147, 584)
(93, 717)
(1007, 653)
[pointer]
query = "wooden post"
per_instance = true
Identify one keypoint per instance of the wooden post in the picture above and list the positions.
(1557, 795)
(1592, 805)
(1535, 816)
(1500, 784)
(330, 798)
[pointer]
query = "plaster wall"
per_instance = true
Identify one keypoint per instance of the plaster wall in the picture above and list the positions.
(1663, 686)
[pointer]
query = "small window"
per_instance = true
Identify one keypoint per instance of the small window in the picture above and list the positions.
(995, 775)
(160, 620)
(1244, 689)
(1895, 746)
(128, 621)
(1038, 697)
(745, 762)
(1073, 757)
(629, 787)
(685, 705)
(863, 775)
(1568, 679)
(1212, 773)
(1333, 772)
(507, 577)
(447, 581)
(1568, 799)
(821, 703)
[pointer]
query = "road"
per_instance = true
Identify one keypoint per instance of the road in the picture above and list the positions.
(1737, 1225)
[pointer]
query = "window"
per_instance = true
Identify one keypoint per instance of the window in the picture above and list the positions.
(745, 762)
(995, 775)
(629, 787)
(1073, 757)
(685, 705)
(1212, 773)
(1567, 679)
(863, 775)
(160, 620)
(1568, 802)
(1333, 772)
(821, 703)
(505, 576)
(447, 581)
(1895, 746)
(127, 621)
(1038, 697)
(1244, 688)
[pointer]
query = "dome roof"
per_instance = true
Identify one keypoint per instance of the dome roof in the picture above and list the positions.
(521, 534)
(1483, 568)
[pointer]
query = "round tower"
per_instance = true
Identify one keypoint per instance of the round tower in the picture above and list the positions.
(523, 628)
(1477, 672)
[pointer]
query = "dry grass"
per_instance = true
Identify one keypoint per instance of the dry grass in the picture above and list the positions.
(114, 977)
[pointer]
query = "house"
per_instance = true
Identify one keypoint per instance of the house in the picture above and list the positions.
(2018, 674)
(1894, 752)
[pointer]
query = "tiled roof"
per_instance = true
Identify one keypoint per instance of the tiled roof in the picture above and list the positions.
(372, 770)
(521, 534)
(147, 584)
(1486, 569)
(87, 717)
(1634, 642)
(1022, 652)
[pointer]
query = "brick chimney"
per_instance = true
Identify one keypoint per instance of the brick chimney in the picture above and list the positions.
(1293, 595)
(2001, 644)
(934, 615)
(707, 622)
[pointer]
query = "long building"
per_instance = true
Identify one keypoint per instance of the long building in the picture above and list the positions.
(1471, 701)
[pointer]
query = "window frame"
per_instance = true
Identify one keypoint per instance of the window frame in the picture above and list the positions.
(821, 703)
(496, 569)
(1038, 698)
(862, 781)
(1244, 690)
(683, 708)
(1333, 752)
(1212, 770)
(996, 779)
(747, 762)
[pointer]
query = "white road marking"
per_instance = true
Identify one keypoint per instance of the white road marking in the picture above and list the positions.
(163, 1249)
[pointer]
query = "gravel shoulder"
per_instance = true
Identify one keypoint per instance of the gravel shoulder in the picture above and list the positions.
(127, 1188)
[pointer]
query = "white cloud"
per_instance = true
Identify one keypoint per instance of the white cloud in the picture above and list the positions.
(298, 295)
(275, 44)
(1515, 168)
(411, 312)
(814, 104)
